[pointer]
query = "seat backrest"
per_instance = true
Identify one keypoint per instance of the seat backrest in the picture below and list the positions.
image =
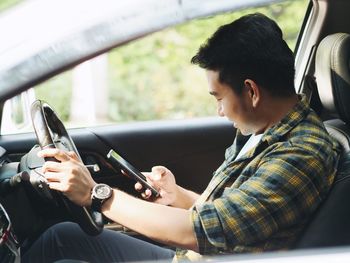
(330, 225)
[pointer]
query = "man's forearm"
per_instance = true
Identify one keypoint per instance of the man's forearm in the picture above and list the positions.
(168, 225)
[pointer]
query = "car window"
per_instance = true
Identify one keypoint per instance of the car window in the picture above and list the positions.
(7, 4)
(147, 79)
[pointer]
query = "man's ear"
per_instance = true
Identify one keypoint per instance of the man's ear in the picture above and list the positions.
(254, 92)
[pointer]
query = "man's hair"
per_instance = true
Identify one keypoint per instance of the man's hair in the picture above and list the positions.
(251, 47)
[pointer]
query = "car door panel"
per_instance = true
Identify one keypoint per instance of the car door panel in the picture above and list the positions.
(192, 149)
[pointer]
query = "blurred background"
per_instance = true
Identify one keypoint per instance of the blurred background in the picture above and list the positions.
(149, 78)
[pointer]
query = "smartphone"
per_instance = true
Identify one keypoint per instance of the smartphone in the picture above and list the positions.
(116, 159)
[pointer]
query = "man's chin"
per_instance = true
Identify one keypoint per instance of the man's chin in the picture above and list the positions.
(242, 131)
(245, 132)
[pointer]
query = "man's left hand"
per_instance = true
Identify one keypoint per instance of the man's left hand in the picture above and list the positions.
(69, 176)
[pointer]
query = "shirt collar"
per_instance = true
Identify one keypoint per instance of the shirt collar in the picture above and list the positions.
(292, 119)
(298, 113)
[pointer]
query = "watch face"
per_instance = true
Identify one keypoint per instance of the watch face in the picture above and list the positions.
(102, 191)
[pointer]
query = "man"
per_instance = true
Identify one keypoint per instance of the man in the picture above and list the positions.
(278, 170)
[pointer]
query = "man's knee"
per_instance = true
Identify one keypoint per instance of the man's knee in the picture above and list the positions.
(62, 233)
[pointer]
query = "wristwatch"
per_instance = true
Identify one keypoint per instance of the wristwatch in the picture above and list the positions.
(99, 194)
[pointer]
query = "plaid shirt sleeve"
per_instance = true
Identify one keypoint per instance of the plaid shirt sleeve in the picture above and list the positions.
(287, 185)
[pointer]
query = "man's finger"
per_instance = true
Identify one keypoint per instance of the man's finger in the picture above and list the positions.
(146, 194)
(53, 177)
(51, 166)
(56, 186)
(54, 152)
(73, 155)
(158, 169)
(138, 186)
(157, 173)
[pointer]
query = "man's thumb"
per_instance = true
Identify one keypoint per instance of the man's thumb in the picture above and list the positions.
(157, 172)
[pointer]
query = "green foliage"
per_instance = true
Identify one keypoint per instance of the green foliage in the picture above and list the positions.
(152, 78)
(57, 93)
(6, 4)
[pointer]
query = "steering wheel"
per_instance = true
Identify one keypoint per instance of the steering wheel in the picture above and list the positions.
(51, 133)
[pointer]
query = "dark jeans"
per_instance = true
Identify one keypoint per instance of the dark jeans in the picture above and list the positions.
(68, 241)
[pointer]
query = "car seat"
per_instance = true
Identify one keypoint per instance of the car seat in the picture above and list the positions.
(330, 225)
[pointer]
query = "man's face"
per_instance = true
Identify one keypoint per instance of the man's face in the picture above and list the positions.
(234, 107)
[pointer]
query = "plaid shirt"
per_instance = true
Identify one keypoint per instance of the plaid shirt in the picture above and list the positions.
(262, 200)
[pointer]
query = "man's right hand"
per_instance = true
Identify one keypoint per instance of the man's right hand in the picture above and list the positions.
(162, 179)
(169, 192)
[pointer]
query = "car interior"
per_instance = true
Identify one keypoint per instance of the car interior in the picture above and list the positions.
(329, 225)
(191, 149)
(329, 86)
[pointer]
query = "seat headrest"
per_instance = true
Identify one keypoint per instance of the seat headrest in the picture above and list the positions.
(333, 74)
